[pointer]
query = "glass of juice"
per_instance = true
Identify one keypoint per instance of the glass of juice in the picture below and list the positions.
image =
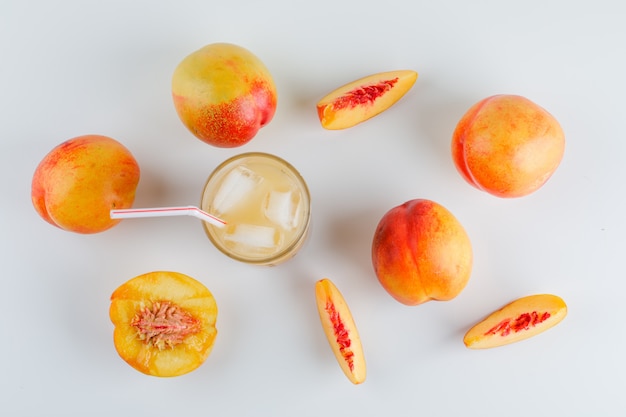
(266, 205)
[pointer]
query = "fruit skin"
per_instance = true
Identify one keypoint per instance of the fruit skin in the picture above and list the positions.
(78, 182)
(507, 146)
(364, 98)
(179, 290)
(223, 94)
(340, 330)
(421, 252)
(518, 320)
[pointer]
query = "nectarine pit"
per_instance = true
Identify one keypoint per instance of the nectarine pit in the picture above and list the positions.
(164, 324)
(523, 322)
(341, 334)
(364, 94)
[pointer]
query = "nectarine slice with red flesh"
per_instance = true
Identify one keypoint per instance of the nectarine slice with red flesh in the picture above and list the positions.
(519, 320)
(363, 99)
(164, 323)
(340, 330)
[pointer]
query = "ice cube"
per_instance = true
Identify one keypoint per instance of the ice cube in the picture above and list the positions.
(237, 184)
(252, 236)
(282, 208)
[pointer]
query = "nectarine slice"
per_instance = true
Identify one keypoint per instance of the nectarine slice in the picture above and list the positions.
(519, 320)
(164, 323)
(340, 330)
(363, 99)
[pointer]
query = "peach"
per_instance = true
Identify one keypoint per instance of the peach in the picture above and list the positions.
(340, 330)
(421, 252)
(76, 184)
(507, 146)
(223, 94)
(164, 323)
(363, 99)
(518, 320)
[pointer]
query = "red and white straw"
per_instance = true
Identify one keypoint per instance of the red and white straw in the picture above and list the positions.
(134, 213)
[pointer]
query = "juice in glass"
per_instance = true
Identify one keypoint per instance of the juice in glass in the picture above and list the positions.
(266, 205)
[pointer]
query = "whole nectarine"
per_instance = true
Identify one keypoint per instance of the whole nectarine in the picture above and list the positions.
(507, 145)
(421, 252)
(223, 94)
(77, 184)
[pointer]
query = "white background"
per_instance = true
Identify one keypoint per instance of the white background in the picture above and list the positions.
(78, 67)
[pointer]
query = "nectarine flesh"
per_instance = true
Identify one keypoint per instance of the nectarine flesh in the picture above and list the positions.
(363, 99)
(340, 330)
(164, 323)
(518, 320)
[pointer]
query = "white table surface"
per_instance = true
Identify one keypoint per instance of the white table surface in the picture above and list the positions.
(77, 67)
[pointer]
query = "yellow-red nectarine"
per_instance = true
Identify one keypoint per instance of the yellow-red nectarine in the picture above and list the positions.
(80, 181)
(223, 94)
(507, 145)
(421, 252)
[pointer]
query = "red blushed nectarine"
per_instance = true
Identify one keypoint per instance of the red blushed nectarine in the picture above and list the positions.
(363, 99)
(518, 320)
(421, 252)
(80, 181)
(164, 323)
(223, 94)
(507, 146)
(340, 330)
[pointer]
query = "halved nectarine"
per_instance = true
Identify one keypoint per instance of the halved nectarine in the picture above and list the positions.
(340, 330)
(519, 320)
(164, 323)
(363, 99)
